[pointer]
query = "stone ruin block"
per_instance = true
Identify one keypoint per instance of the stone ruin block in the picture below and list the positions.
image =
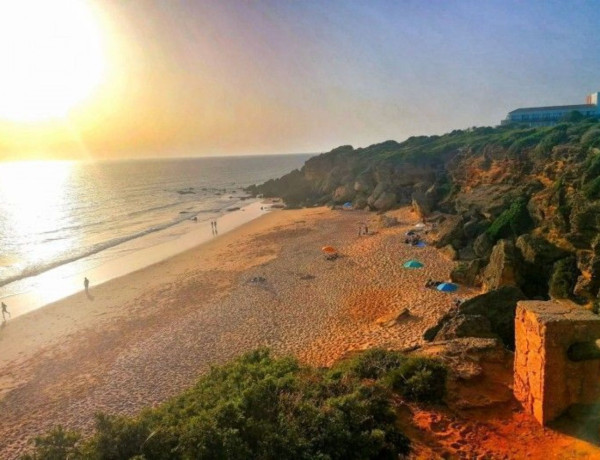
(557, 359)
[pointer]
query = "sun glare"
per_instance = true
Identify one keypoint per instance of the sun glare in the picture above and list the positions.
(52, 57)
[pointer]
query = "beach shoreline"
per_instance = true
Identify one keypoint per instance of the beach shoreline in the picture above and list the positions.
(66, 280)
(149, 334)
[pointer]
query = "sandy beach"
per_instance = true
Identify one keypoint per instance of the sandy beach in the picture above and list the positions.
(141, 338)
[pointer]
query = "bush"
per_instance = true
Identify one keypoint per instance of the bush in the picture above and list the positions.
(58, 444)
(371, 364)
(419, 379)
(257, 407)
(513, 221)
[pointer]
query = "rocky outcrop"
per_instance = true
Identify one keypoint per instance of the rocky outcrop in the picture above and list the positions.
(502, 267)
(423, 199)
(498, 307)
(482, 245)
(467, 273)
(537, 188)
(461, 325)
(450, 231)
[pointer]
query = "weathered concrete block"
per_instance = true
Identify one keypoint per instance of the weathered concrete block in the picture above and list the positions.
(555, 363)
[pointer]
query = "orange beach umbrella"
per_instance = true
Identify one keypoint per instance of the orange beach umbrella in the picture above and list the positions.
(329, 250)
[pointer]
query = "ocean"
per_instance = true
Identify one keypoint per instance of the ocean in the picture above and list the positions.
(67, 217)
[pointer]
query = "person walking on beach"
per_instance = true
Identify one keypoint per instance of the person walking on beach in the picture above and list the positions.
(5, 311)
(86, 284)
(215, 224)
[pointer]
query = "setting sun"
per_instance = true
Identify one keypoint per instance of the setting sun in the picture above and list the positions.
(52, 55)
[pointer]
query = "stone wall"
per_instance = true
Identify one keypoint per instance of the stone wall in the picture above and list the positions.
(546, 380)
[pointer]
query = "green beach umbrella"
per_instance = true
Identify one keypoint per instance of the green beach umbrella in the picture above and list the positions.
(413, 264)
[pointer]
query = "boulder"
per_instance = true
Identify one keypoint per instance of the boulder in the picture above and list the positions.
(450, 231)
(382, 199)
(423, 199)
(474, 227)
(385, 201)
(538, 251)
(449, 252)
(343, 193)
(498, 307)
(363, 183)
(466, 273)
(482, 246)
(467, 253)
(501, 269)
(465, 326)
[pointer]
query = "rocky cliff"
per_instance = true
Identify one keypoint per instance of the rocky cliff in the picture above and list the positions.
(516, 206)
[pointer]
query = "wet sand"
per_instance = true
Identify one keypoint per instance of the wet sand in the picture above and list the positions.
(146, 336)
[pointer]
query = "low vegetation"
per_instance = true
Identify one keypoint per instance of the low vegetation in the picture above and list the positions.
(260, 407)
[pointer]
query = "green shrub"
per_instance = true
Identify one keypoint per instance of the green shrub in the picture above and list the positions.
(419, 379)
(261, 408)
(371, 364)
(58, 444)
(591, 138)
(591, 190)
(513, 221)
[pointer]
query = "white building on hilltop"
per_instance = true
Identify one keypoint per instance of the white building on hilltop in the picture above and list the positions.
(548, 116)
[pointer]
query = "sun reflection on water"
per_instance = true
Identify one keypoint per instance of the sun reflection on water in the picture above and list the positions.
(34, 203)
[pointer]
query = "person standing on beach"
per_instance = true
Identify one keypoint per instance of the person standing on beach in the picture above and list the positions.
(216, 232)
(86, 284)
(5, 311)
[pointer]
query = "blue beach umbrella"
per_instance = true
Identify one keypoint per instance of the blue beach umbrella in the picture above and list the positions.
(421, 244)
(413, 264)
(447, 287)
(347, 205)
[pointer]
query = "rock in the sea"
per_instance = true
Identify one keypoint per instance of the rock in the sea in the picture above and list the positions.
(502, 267)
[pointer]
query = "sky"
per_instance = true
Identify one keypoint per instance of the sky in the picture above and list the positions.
(186, 78)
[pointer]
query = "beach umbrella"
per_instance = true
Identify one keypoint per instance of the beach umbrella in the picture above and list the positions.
(413, 264)
(447, 287)
(420, 225)
(329, 250)
(347, 205)
(421, 244)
